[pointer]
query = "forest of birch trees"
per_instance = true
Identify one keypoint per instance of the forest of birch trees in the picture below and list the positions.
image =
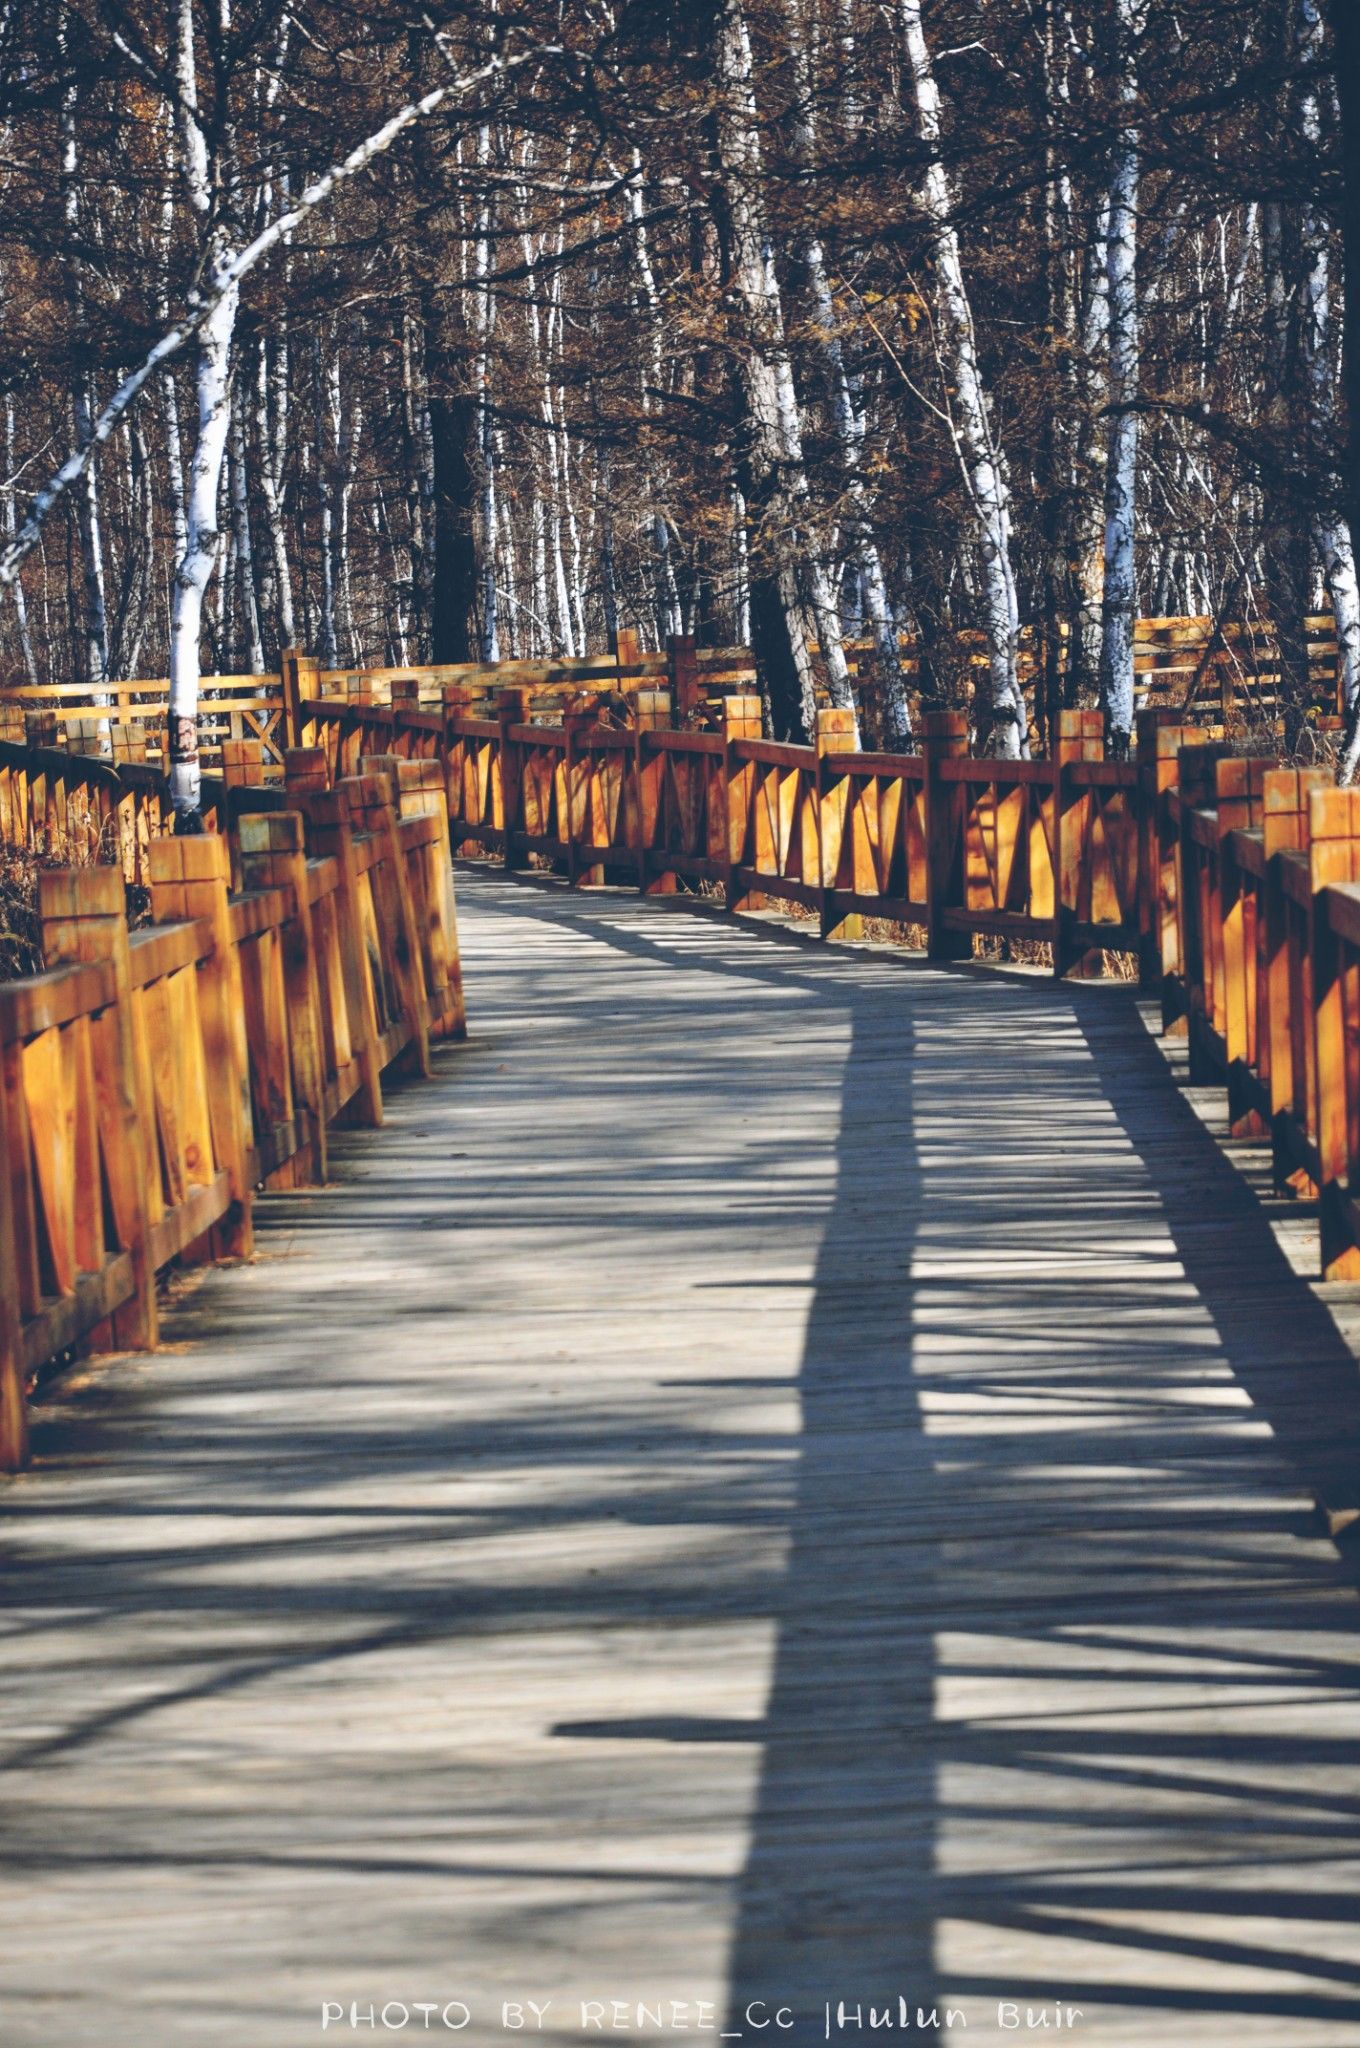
(451, 333)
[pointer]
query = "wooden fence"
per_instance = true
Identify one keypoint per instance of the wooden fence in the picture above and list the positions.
(154, 1080)
(1039, 850)
(1234, 882)
(151, 1082)
(1210, 671)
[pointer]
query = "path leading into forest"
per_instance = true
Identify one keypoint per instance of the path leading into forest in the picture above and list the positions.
(783, 1477)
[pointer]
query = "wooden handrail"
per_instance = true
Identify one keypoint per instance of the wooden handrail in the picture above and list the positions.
(153, 1082)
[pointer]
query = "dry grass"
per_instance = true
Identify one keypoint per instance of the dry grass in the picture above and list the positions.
(20, 937)
(20, 952)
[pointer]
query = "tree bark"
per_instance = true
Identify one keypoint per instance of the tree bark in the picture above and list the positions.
(453, 428)
(789, 588)
(978, 454)
(1119, 594)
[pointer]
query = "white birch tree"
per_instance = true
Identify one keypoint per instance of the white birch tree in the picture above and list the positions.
(1119, 594)
(971, 424)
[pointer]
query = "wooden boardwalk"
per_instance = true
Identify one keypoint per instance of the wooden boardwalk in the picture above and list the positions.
(786, 1477)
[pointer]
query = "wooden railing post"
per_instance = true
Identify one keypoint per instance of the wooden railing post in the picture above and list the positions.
(13, 1365)
(742, 720)
(512, 708)
(305, 768)
(243, 764)
(1200, 922)
(420, 794)
(300, 677)
(1333, 857)
(623, 645)
(373, 801)
(1081, 737)
(330, 835)
(1285, 799)
(1240, 786)
(652, 714)
(1169, 883)
(190, 878)
(455, 757)
(836, 734)
(84, 917)
(944, 737)
(576, 787)
(652, 711)
(683, 666)
(1158, 736)
(273, 856)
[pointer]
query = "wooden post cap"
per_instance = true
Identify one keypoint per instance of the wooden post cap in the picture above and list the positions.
(82, 892)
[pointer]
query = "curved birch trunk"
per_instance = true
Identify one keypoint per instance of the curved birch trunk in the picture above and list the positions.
(484, 315)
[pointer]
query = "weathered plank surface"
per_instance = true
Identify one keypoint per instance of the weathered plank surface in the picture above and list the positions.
(785, 1478)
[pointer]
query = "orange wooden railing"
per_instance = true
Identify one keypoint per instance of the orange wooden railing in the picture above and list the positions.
(1040, 850)
(1229, 879)
(1211, 670)
(232, 1033)
(153, 1081)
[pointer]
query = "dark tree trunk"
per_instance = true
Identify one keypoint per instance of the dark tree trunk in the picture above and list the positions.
(453, 427)
(776, 657)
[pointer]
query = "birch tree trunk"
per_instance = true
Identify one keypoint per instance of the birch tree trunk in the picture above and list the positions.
(271, 439)
(419, 448)
(848, 424)
(979, 456)
(11, 524)
(652, 378)
(1119, 605)
(775, 483)
(1345, 23)
(484, 315)
(1333, 535)
(1087, 540)
(174, 457)
(244, 552)
(741, 585)
(1285, 525)
(212, 390)
(96, 624)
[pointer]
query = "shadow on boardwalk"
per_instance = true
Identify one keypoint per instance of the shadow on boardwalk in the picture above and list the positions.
(1063, 1684)
(1062, 1709)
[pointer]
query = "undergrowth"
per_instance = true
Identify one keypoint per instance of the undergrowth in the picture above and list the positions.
(20, 935)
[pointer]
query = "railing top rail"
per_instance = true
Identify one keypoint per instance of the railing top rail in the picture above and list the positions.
(58, 995)
(140, 686)
(970, 770)
(162, 949)
(909, 766)
(1341, 907)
